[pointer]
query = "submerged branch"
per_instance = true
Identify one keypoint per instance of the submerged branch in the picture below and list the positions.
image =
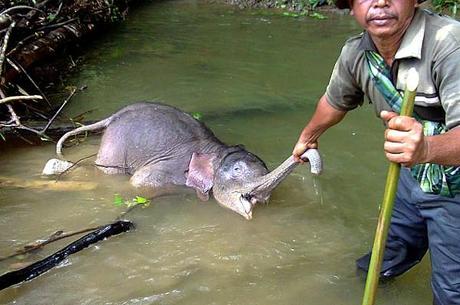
(40, 244)
(73, 166)
(28, 273)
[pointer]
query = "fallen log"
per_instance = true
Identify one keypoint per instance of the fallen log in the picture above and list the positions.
(76, 21)
(48, 46)
(28, 273)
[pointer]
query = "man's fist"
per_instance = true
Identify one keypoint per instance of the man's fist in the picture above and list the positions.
(300, 148)
(404, 140)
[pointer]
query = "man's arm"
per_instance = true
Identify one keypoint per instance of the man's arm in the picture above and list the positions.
(406, 144)
(324, 117)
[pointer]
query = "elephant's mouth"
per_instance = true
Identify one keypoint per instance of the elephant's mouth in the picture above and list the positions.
(254, 199)
(241, 201)
(245, 207)
(247, 202)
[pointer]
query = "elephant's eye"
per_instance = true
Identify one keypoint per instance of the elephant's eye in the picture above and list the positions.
(236, 169)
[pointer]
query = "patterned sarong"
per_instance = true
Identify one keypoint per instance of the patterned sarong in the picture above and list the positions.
(433, 178)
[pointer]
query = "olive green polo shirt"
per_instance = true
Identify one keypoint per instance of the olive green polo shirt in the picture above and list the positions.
(431, 44)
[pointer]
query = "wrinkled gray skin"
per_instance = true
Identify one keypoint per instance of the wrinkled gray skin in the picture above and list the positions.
(163, 147)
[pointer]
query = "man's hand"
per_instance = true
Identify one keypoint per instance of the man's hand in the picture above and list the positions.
(324, 117)
(300, 148)
(404, 140)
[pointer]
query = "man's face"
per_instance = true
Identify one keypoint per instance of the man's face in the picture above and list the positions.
(383, 18)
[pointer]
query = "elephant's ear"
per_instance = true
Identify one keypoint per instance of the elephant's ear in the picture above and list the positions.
(201, 174)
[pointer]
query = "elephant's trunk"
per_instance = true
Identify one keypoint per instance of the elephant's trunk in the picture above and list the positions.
(265, 184)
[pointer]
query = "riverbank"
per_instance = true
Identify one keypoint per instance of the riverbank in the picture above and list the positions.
(293, 6)
(40, 42)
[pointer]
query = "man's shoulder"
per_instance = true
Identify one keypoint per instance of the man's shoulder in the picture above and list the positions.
(354, 40)
(352, 46)
(441, 27)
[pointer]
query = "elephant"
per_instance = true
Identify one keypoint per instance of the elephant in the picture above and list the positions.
(162, 147)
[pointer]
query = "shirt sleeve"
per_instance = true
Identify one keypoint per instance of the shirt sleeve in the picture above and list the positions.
(447, 78)
(343, 91)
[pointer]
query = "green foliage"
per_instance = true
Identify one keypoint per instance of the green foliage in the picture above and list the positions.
(141, 200)
(317, 15)
(51, 17)
(298, 8)
(292, 14)
(118, 200)
(114, 11)
(197, 115)
(314, 3)
(443, 5)
(115, 14)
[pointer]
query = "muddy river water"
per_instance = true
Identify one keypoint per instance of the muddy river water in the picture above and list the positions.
(254, 76)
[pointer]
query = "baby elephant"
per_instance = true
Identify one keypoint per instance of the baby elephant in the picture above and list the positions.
(163, 147)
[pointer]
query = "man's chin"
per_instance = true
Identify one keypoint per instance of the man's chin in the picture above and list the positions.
(383, 28)
(381, 31)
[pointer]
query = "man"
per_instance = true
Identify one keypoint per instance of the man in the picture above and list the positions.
(398, 35)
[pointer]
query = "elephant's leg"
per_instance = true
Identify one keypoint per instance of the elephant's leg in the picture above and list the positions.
(112, 157)
(155, 180)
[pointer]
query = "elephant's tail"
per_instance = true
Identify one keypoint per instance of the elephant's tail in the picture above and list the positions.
(96, 126)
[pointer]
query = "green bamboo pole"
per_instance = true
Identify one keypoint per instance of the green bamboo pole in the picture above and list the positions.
(383, 224)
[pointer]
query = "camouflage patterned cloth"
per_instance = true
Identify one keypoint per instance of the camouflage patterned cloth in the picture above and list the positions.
(433, 178)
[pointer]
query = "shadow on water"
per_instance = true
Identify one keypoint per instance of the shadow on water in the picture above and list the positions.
(250, 112)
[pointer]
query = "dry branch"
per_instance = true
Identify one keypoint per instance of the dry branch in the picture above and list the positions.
(19, 98)
(58, 235)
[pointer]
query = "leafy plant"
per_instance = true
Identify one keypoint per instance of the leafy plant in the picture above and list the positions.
(197, 115)
(118, 200)
(317, 15)
(315, 3)
(51, 17)
(298, 8)
(113, 11)
(292, 14)
(450, 5)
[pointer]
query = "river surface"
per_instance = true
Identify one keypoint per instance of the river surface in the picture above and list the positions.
(255, 77)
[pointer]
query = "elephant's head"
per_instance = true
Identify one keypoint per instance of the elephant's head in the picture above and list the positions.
(238, 179)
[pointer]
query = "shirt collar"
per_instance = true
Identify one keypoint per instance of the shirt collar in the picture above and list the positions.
(411, 45)
(366, 43)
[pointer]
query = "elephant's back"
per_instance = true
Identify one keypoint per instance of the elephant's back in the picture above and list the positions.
(158, 122)
(148, 131)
